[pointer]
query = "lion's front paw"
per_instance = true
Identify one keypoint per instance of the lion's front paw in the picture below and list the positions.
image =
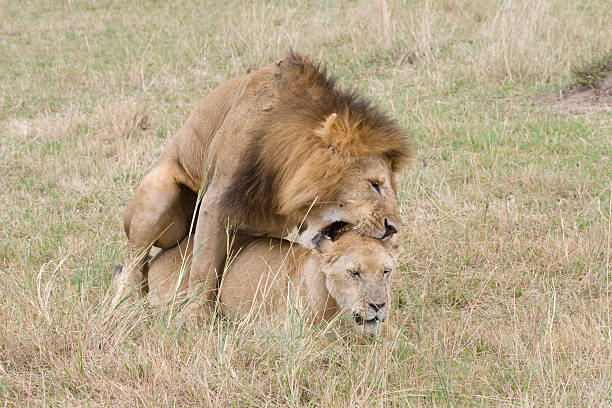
(196, 313)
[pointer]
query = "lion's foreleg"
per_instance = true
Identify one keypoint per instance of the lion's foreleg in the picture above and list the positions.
(209, 252)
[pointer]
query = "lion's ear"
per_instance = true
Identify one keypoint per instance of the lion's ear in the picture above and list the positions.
(330, 123)
(335, 133)
(329, 130)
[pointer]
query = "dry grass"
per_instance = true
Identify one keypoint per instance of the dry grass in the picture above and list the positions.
(504, 293)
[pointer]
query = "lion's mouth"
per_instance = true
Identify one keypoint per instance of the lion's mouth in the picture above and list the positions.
(335, 229)
(332, 231)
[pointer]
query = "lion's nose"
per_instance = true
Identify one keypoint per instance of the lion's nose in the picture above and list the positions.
(390, 229)
(377, 306)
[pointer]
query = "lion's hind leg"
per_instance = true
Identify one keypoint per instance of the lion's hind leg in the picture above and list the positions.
(159, 214)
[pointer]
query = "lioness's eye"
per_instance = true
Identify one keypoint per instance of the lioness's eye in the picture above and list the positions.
(375, 186)
(386, 271)
(354, 273)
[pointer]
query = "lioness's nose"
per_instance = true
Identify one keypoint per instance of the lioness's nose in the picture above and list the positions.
(377, 306)
(390, 229)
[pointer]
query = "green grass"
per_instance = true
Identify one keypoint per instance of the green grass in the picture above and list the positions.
(504, 292)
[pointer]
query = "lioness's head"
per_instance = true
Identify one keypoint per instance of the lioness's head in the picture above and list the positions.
(358, 273)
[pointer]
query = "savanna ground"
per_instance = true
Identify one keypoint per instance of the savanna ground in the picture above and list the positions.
(503, 296)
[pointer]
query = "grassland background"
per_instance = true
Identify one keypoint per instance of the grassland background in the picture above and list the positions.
(503, 297)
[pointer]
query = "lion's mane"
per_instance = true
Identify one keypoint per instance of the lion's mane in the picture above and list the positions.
(300, 151)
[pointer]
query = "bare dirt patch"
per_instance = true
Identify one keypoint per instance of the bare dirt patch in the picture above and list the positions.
(590, 92)
(585, 98)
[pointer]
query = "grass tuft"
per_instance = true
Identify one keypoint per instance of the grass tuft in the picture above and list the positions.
(590, 73)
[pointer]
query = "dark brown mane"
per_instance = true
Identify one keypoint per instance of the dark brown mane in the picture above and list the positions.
(288, 163)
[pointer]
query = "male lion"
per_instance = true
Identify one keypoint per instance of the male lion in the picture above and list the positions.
(351, 275)
(274, 150)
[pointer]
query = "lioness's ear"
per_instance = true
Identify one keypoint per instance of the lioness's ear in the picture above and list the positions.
(323, 246)
(394, 247)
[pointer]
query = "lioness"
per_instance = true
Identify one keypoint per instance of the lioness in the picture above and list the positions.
(276, 150)
(351, 275)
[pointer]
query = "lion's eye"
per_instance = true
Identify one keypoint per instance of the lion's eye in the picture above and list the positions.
(386, 271)
(375, 186)
(355, 274)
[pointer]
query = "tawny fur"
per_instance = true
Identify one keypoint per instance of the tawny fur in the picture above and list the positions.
(343, 277)
(272, 150)
(301, 150)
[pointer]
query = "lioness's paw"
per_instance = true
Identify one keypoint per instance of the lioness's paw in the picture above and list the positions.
(127, 288)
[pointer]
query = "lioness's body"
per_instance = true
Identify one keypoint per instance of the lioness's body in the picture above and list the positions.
(274, 150)
(272, 273)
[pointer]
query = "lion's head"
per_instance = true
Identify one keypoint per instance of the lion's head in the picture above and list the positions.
(358, 273)
(364, 202)
(321, 158)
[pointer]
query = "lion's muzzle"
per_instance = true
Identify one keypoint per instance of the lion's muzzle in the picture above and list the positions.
(390, 229)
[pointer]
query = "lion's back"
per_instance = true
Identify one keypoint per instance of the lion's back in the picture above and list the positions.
(225, 114)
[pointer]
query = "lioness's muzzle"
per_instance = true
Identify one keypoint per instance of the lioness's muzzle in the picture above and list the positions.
(360, 320)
